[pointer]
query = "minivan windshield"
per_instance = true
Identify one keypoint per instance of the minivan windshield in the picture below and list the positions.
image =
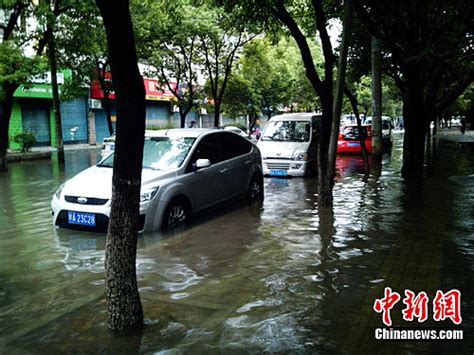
(160, 153)
(287, 131)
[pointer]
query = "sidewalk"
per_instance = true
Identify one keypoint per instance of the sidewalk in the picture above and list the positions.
(36, 153)
(66, 147)
(454, 135)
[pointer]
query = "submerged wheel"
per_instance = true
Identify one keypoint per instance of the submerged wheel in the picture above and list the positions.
(255, 190)
(177, 214)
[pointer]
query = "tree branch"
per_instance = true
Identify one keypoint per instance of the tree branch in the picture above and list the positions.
(329, 58)
(282, 14)
(453, 94)
(12, 21)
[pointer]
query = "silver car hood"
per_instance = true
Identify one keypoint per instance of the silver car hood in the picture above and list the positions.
(97, 181)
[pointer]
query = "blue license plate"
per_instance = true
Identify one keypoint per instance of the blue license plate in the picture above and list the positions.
(353, 144)
(278, 172)
(81, 218)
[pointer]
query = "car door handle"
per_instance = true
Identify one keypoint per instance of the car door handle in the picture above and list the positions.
(247, 162)
(222, 171)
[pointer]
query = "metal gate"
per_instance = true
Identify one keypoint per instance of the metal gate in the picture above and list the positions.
(35, 119)
(101, 127)
(74, 121)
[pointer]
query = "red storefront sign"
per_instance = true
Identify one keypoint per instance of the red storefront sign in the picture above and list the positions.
(153, 91)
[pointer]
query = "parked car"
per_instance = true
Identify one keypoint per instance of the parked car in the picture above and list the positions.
(184, 171)
(348, 141)
(387, 128)
(289, 144)
(108, 145)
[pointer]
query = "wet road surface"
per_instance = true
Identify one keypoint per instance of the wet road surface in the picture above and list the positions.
(287, 277)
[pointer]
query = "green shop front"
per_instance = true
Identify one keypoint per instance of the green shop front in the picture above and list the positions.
(32, 112)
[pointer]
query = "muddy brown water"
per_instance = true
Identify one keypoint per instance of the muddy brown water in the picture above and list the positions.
(288, 277)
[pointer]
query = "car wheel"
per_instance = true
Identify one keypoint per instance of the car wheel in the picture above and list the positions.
(177, 214)
(255, 190)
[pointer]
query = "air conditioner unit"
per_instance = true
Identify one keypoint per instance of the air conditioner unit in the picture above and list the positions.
(95, 104)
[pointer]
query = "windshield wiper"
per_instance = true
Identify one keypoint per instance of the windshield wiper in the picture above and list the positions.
(149, 167)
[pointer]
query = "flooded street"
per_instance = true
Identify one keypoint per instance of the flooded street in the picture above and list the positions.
(288, 277)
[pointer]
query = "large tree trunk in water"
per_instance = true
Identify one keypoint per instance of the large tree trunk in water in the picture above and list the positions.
(415, 132)
(5, 115)
(340, 83)
(325, 179)
(376, 99)
(56, 103)
(353, 101)
(123, 300)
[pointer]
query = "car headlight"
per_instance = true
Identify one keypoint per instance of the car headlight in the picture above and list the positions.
(147, 195)
(300, 156)
(58, 191)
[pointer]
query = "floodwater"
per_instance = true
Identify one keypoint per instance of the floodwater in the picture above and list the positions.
(285, 278)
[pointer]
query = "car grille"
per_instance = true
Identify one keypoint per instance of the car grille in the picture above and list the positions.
(283, 166)
(90, 201)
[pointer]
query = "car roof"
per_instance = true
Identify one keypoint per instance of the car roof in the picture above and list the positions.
(384, 118)
(179, 132)
(298, 116)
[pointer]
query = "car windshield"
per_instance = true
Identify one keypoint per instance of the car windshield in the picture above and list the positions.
(160, 153)
(352, 133)
(287, 131)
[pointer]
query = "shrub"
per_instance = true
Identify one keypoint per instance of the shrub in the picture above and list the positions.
(158, 127)
(25, 139)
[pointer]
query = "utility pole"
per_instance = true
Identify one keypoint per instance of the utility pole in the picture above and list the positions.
(376, 98)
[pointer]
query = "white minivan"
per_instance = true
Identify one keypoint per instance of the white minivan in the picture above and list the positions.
(288, 144)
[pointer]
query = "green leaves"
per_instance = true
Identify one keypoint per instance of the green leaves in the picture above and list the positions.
(15, 67)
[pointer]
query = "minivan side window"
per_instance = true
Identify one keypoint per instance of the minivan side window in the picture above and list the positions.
(234, 145)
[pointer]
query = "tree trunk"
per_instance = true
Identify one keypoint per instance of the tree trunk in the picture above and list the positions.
(325, 179)
(415, 132)
(269, 113)
(182, 115)
(217, 113)
(123, 300)
(5, 115)
(376, 99)
(340, 83)
(108, 111)
(353, 101)
(436, 126)
(54, 85)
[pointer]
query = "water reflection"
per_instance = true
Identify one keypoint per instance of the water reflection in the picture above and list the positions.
(283, 277)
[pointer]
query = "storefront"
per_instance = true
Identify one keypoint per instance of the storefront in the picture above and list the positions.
(32, 112)
(159, 105)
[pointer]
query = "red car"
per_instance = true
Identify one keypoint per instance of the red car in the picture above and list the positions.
(348, 141)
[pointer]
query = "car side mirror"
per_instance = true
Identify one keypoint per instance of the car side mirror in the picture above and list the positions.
(202, 163)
